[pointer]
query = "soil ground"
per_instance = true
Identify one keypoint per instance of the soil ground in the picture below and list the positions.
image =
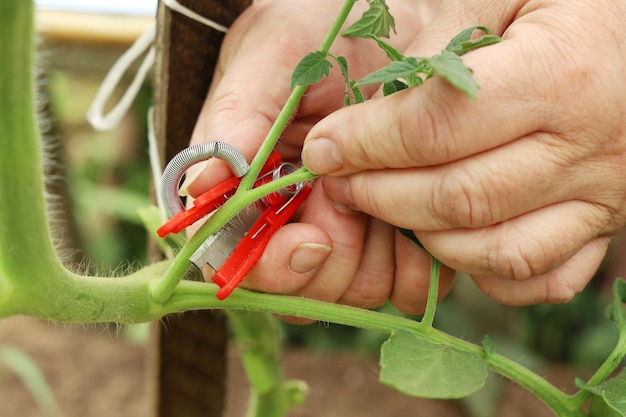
(94, 373)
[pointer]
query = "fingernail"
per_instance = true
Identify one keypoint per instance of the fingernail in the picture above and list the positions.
(338, 190)
(192, 174)
(307, 256)
(321, 156)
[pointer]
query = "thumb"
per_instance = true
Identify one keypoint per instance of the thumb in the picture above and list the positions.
(250, 85)
(435, 123)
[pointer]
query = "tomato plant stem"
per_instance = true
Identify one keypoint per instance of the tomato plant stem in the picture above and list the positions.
(433, 293)
(608, 366)
(290, 106)
(163, 288)
(192, 295)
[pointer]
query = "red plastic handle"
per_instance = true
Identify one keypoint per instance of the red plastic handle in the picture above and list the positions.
(206, 203)
(249, 250)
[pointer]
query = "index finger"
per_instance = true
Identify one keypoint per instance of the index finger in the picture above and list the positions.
(435, 123)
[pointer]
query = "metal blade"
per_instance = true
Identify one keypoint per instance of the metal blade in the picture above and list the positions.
(218, 247)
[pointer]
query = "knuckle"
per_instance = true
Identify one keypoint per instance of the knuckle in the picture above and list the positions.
(560, 291)
(424, 131)
(512, 259)
(369, 197)
(461, 201)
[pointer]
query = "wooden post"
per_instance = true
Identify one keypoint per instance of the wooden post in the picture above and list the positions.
(187, 370)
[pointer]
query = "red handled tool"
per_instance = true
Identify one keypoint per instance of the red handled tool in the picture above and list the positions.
(234, 250)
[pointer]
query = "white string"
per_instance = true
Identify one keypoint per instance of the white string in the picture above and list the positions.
(155, 163)
(101, 121)
(176, 6)
(95, 114)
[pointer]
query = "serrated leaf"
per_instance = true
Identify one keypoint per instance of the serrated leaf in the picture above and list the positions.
(356, 93)
(393, 87)
(311, 69)
(448, 65)
(462, 43)
(376, 20)
(424, 369)
(343, 65)
(611, 391)
(464, 36)
(392, 53)
(396, 69)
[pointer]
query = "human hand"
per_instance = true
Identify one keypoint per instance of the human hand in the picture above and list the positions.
(332, 255)
(521, 188)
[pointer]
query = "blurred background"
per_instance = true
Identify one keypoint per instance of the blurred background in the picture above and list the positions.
(105, 177)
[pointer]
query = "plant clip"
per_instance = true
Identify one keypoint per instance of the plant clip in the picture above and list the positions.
(234, 250)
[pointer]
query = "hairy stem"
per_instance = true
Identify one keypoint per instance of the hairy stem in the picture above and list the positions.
(162, 289)
(290, 106)
(27, 254)
(192, 295)
(606, 369)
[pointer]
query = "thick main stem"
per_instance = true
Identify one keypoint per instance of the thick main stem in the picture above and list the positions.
(28, 260)
(23, 220)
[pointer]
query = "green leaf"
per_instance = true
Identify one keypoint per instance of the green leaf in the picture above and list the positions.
(448, 65)
(391, 52)
(462, 43)
(393, 87)
(376, 20)
(410, 234)
(343, 65)
(311, 69)
(464, 36)
(356, 93)
(424, 369)
(611, 392)
(599, 408)
(396, 69)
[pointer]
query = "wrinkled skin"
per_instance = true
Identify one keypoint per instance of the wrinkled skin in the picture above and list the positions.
(522, 188)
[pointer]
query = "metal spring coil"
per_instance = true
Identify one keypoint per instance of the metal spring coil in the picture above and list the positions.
(175, 169)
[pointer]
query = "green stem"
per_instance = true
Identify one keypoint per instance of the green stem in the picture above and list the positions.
(433, 293)
(162, 289)
(290, 106)
(192, 295)
(259, 342)
(23, 219)
(606, 369)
